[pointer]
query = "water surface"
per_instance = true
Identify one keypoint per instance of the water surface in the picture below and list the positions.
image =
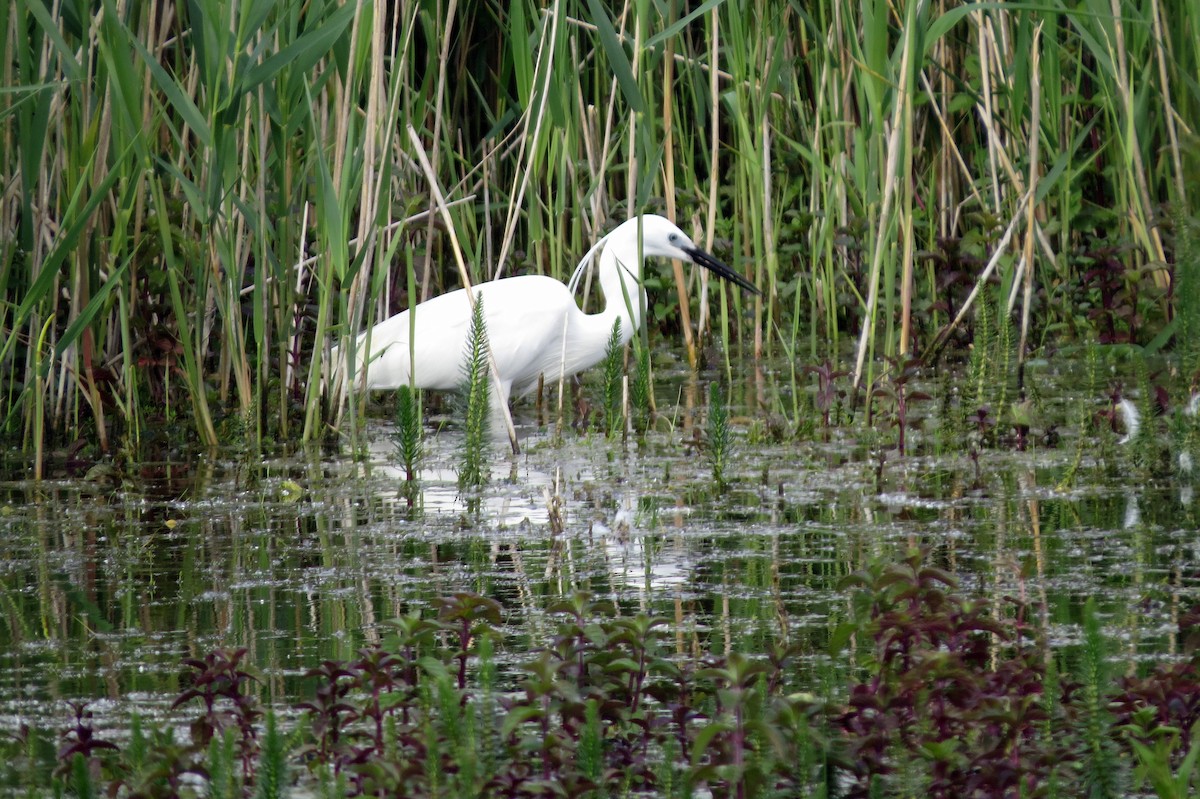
(303, 556)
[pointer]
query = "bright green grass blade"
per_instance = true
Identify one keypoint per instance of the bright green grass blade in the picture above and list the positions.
(182, 104)
(683, 22)
(254, 13)
(303, 53)
(66, 53)
(80, 219)
(617, 59)
(89, 312)
(519, 56)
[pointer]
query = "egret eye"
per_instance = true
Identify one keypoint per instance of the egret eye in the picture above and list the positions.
(674, 237)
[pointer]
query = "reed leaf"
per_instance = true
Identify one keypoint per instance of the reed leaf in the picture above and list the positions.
(618, 61)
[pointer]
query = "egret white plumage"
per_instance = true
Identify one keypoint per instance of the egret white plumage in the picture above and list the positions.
(534, 326)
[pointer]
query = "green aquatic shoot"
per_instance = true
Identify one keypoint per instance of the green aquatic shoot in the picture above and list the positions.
(981, 371)
(475, 395)
(614, 374)
(81, 778)
(1099, 763)
(1004, 359)
(1144, 442)
(591, 748)
(641, 398)
(222, 767)
(408, 431)
(719, 443)
(272, 777)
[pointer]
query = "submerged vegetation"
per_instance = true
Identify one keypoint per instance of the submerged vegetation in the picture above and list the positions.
(184, 233)
(949, 696)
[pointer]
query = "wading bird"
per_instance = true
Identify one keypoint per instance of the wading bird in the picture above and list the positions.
(534, 327)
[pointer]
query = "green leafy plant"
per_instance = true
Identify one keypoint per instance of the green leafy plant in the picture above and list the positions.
(408, 439)
(947, 694)
(955, 695)
(893, 387)
(613, 368)
(475, 399)
(719, 439)
(641, 398)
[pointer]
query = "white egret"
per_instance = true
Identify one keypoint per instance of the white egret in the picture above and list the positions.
(534, 327)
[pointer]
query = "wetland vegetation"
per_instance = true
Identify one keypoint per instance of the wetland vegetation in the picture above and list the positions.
(889, 530)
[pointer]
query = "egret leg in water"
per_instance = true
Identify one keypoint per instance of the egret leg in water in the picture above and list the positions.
(534, 326)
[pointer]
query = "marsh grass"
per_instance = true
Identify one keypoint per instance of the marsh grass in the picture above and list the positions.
(186, 232)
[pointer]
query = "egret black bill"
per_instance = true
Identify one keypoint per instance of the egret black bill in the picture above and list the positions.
(719, 269)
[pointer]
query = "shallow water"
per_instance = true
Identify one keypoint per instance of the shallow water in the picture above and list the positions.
(302, 557)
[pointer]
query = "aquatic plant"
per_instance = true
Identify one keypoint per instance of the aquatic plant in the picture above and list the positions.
(613, 373)
(994, 368)
(827, 395)
(945, 694)
(469, 616)
(1099, 772)
(475, 403)
(719, 438)
(641, 394)
(79, 756)
(271, 778)
(893, 385)
(957, 263)
(1084, 415)
(1158, 717)
(407, 436)
(1021, 416)
(954, 689)
(328, 712)
(1186, 284)
(222, 684)
(1110, 287)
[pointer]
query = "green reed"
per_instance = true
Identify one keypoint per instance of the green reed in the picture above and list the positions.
(199, 223)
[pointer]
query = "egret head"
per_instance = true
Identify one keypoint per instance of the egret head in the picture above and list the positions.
(661, 237)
